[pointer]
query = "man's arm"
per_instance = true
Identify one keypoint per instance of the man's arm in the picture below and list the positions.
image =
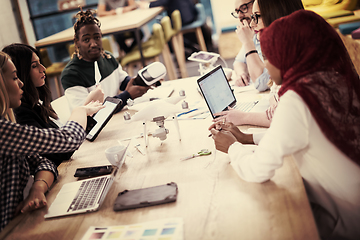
(101, 10)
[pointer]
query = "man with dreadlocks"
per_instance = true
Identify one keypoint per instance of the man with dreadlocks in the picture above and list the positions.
(80, 76)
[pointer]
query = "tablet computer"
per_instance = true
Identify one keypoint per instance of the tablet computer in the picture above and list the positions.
(204, 57)
(103, 116)
(146, 197)
(216, 91)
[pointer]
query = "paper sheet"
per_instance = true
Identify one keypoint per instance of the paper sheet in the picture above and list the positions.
(169, 229)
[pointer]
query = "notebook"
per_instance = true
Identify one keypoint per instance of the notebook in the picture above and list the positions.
(82, 196)
(217, 92)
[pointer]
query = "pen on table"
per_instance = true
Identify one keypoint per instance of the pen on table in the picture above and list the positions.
(243, 81)
(192, 110)
(223, 122)
(198, 114)
(217, 129)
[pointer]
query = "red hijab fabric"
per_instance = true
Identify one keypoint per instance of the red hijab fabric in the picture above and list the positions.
(314, 63)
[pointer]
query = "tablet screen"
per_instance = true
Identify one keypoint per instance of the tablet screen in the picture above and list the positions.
(102, 116)
(216, 90)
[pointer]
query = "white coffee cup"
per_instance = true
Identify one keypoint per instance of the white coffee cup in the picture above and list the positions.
(115, 155)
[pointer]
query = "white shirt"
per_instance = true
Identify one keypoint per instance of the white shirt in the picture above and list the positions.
(331, 179)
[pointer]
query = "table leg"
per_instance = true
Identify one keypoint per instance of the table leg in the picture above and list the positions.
(137, 36)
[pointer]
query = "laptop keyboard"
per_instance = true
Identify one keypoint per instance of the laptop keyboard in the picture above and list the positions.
(245, 106)
(87, 194)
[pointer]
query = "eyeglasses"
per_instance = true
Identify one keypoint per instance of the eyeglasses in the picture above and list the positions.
(255, 17)
(243, 9)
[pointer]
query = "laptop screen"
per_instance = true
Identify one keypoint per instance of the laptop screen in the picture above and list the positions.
(216, 90)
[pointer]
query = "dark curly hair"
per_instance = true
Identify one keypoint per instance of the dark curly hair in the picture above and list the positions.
(86, 18)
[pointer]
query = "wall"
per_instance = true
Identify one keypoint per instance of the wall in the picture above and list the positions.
(26, 21)
(222, 15)
(8, 27)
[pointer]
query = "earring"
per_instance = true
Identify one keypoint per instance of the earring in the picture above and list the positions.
(104, 54)
(77, 53)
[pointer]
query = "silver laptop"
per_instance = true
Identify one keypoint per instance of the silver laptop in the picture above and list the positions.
(218, 94)
(82, 196)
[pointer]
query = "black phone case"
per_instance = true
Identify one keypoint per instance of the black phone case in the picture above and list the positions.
(93, 171)
(91, 122)
(145, 197)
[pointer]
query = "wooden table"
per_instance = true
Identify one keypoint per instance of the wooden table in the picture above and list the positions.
(130, 21)
(212, 200)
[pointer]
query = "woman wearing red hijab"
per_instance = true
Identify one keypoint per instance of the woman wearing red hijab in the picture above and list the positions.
(317, 120)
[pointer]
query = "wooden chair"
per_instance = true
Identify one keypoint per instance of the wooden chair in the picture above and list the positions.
(335, 12)
(174, 35)
(151, 50)
(53, 70)
(195, 26)
(329, 6)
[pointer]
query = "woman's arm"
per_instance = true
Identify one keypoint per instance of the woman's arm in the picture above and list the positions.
(287, 134)
(239, 118)
(80, 114)
(45, 172)
(19, 140)
(36, 198)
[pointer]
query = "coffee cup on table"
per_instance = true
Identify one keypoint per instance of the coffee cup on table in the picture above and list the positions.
(115, 155)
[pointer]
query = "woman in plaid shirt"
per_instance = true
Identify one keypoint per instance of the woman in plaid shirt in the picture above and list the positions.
(20, 147)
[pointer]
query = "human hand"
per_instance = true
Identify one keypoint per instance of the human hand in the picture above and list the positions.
(231, 115)
(242, 80)
(134, 90)
(93, 107)
(244, 32)
(95, 95)
(35, 200)
(240, 136)
(223, 139)
(234, 130)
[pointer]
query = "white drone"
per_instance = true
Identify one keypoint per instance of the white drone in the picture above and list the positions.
(160, 109)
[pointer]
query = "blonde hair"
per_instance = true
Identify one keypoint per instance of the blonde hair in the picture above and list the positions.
(4, 97)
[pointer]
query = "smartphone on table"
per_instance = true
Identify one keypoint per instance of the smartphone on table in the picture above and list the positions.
(93, 171)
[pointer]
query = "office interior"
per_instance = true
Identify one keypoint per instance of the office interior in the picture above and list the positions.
(27, 21)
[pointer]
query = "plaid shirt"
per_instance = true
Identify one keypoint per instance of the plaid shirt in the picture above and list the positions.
(20, 147)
